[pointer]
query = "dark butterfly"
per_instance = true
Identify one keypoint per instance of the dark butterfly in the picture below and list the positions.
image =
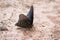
(26, 21)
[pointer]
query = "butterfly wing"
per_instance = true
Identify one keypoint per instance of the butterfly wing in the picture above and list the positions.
(24, 22)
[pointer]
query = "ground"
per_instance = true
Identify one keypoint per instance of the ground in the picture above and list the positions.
(46, 25)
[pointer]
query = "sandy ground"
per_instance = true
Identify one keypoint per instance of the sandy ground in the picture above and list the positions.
(46, 19)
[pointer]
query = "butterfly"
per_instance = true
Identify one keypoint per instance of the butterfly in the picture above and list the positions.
(26, 21)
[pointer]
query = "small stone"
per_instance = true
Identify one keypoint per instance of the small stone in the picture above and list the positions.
(3, 29)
